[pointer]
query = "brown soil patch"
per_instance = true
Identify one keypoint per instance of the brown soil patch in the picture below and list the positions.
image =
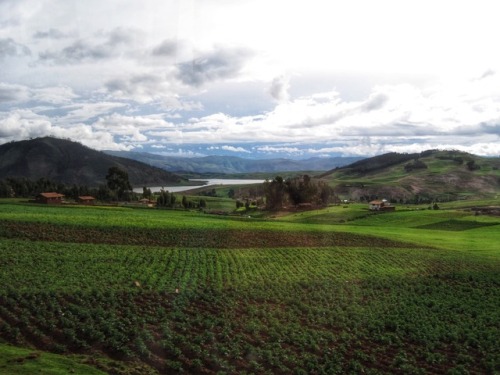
(191, 238)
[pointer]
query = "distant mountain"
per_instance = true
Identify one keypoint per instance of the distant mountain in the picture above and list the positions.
(70, 162)
(433, 174)
(232, 164)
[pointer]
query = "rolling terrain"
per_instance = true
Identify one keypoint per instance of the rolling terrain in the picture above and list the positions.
(429, 176)
(129, 290)
(138, 291)
(68, 162)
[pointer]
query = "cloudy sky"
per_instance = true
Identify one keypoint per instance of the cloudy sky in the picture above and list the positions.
(253, 78)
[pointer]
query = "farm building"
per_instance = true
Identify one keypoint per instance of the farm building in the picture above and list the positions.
(147, 202)
(381, 205)
(86, 199)
(49, 198)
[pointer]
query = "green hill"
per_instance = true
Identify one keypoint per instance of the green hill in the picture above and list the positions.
(70, 162)
(430, 175)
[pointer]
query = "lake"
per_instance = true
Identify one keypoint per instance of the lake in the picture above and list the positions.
(207, 182)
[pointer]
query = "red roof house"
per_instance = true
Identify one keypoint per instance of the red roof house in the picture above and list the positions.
(49, 198)
(381, 205)
(86, 199)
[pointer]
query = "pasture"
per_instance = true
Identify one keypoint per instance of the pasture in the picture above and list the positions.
(146, 291)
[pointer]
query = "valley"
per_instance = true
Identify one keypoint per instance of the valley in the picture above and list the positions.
(293, 275)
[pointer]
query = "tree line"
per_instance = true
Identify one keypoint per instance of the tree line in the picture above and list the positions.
(117, 187)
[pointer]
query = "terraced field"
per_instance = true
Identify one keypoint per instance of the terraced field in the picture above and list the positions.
(133, 291)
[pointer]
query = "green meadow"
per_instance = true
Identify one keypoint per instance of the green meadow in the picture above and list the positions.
(126, 290)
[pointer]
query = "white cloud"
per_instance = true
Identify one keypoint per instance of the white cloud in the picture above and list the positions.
(234, 149)
(238, 149)
(171, 58)
(54, 95)
(81, 112)
(23, 124)
(18, 94)
(280, 149)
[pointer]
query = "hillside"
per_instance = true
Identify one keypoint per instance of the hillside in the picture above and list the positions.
(232, 164)
(433, 174)
(70, 162)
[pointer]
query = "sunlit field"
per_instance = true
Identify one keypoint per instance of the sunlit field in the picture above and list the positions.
(138, 291)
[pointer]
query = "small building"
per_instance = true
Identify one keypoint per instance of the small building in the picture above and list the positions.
(381, 205)
(49, 198)
(147, 202)
(86, 199)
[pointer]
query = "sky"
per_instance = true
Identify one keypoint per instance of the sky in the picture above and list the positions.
(252, 78)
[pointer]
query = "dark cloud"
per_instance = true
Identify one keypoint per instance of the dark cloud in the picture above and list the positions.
(120, 36)
(12, 93)
(78, 51)
(143, 83)
(50, 34)
(490, 128)
(374, 102)
(216, 65)
(279, 88)
(82, 50)
(8, 47)
(167, 48)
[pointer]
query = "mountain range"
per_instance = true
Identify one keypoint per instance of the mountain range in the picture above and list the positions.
(431, 174)
(233, 164)
(69, 162)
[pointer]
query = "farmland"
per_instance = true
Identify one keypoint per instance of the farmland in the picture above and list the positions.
(138, 291)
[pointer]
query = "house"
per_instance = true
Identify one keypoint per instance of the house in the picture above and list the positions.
(381, 205)
(49, 198)
(86, 199)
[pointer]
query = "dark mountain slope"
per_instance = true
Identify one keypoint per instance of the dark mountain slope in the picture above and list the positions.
(70, 162)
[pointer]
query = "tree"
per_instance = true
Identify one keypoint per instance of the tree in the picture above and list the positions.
(6, 190)
(325, 192)
(203, 203)
(301, 189)
(163, 199)
(185, 202)
(117, 181)
(274, 192)
(146, 192)
(472, 166)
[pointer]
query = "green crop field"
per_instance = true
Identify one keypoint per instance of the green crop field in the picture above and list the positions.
(144, 291)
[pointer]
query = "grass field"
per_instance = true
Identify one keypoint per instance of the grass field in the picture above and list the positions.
(138, 291)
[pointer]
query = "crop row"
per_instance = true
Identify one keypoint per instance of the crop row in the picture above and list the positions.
(205, 238)
(28, 265)
(282, 310)
(405, 325)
